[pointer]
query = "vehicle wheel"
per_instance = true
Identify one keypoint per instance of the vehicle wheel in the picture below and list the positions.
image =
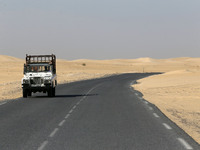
(24, 93)
(29, 93)
(54, 92)
(50, 92)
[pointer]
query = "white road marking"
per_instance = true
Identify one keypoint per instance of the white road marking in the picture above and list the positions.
(146, 102)
(67, 116)
(184, 143)
(133, 82)
(150, 108)
(136, 94)
(3, 103)
(167, 126)
(70, 111)
(155, 115)
(81, 100)
(61, 123)
(43, 145)
(89, 92)
(54, 132)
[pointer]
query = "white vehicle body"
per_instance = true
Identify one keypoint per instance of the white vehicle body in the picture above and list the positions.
(39, 79)
(39, 75)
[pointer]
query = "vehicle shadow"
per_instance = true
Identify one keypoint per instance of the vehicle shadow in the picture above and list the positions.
(64, 96)
(77, 95)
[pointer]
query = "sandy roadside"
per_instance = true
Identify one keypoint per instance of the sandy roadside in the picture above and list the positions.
(177, 95)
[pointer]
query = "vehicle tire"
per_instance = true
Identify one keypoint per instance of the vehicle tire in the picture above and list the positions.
(54, 92)
(50, 92)
(24, 93)
(29, 93)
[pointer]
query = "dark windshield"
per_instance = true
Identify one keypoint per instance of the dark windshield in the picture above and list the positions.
(39, 68)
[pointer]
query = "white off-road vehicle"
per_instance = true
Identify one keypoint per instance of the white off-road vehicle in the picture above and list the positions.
(39, 75)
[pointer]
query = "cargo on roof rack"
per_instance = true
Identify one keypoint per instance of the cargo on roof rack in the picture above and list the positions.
(40, 58)
(37, 59)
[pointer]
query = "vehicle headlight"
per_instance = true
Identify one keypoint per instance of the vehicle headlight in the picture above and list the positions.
(25, 81)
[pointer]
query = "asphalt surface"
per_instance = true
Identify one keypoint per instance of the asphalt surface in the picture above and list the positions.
(100, 114)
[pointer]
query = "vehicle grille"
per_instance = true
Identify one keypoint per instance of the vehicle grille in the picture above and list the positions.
(37, 80)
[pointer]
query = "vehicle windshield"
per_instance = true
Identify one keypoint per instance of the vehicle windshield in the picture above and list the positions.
(39, 68)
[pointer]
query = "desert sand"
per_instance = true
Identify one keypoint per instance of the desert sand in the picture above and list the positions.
(176, 92)
(177, 95)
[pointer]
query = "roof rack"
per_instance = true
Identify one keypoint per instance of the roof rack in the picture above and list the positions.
(37, 59)
(40, 59)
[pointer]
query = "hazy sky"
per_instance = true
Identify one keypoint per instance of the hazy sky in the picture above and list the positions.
(100, 29)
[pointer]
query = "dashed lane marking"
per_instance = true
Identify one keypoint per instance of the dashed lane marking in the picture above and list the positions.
(53, 132)
(67, 116)
(150, 108)
(61, 123)
(43, 145)
(184, 143)
(71, 111)
(167, 126)
(155, 115)
(74, 107)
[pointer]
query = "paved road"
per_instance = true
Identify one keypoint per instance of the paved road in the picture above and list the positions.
(101, 114)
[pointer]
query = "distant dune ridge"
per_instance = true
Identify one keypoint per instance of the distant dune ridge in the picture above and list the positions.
(176, 92)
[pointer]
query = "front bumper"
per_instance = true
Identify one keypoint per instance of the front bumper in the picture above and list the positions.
(36, 88)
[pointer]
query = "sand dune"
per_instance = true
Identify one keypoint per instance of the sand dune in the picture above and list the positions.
(176, 92)
(145, 60)
(4, 58)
